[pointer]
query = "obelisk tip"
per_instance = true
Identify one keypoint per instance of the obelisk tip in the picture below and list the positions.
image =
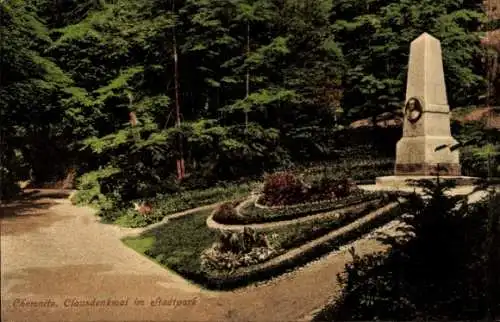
(424, 36)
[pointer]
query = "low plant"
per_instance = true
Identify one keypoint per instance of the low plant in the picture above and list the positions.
(238, 249)
(132, 219)
(226, 212)
(165, 205)
(283, 188)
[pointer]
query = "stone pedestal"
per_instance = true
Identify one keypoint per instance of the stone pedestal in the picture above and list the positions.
(397, 182)
(427, 116)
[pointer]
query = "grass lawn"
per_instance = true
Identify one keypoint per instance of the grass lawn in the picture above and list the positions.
(178, 244)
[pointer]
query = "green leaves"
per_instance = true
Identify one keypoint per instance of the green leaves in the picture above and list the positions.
(376, 42)
(120, 83)
(261, 100)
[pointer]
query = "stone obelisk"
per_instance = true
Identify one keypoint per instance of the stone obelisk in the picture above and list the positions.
(426, 116)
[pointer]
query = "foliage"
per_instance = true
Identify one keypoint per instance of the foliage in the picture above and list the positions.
(285, 188)
(89, 189)
(328, 187)
(8, 187)
(439, 268)
(297, 235)
(129, 218)
(180, 243)
(234, 250)
(480, 156)
(164, 205)
(375, 39)
(252, 214)
(261, 84)
(225, 212)
(282, 188)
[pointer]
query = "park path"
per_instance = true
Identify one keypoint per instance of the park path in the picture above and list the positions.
(52, 250)
(55, 252)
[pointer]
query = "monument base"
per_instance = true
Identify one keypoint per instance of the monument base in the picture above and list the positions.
(426, 169)
(405, 181)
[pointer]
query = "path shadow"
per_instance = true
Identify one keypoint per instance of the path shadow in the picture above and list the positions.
(30, 211)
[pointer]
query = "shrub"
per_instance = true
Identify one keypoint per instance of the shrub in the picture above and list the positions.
(90, 189)
(444, 266)
(283, 188)
(328, 187)
(226, 212)
(344, 187)
(132, 219)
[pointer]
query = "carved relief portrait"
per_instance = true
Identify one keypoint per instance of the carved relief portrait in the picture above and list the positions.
(413, 109)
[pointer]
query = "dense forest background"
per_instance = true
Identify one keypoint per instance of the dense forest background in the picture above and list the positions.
(145, 92)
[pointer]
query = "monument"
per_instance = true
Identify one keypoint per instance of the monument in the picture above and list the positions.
(426, 115)
(424, 149)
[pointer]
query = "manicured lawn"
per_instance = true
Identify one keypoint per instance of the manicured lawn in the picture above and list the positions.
(178, 244)
(140, 244)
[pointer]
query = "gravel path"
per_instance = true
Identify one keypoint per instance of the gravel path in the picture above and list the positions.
(55, 255)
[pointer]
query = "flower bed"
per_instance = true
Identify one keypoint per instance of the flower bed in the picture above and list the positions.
(179, 245)
(328, 216)
(249, 213)
(301, 255)
(238, 248)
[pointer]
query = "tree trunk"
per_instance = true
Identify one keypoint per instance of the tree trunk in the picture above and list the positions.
(247, 83)
(180, 161)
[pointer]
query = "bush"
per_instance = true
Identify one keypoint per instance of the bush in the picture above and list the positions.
(169, 204)
(282, 188)
(444, 266)
(225, 212)
(285, 188)
(111, 207)
(90, 190)
(132, 219)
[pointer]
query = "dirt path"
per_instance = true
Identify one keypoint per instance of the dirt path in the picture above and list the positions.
(53, 252)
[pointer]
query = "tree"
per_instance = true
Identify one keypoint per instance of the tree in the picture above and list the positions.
(376, 36)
